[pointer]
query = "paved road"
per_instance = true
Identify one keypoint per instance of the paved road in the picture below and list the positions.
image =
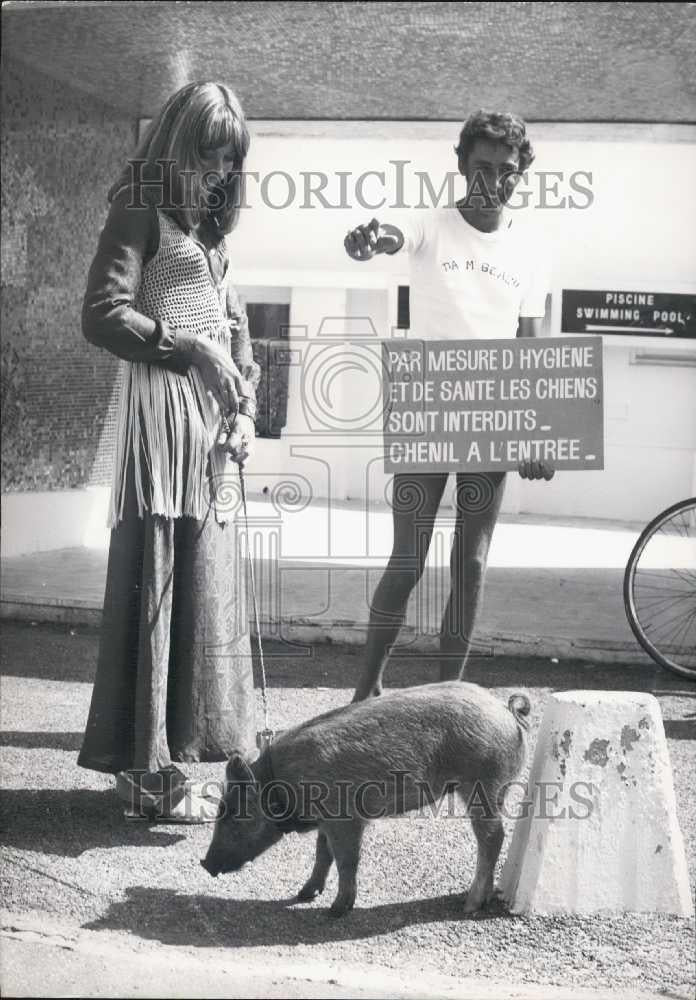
(138, 916)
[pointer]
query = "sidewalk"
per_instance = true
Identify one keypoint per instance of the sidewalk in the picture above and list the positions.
(47, 958)
(553, 589)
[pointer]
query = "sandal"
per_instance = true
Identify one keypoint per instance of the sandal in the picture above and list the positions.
(190, 810)
(169, 782)
(170, 798)
(212, 790)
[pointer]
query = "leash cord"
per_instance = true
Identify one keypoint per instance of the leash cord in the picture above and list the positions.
(264, 695)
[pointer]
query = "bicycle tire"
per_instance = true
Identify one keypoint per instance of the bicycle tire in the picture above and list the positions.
(660, 656)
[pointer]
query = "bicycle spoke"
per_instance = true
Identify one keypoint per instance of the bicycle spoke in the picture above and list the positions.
(688, 622)
(664, 580)
(659, 617)
(664, 572)
(653, 592)
(681, 527)
(673, 640)
(657, 629)
(657, 624)
(683, 575)
(658, 605)
(650, 596)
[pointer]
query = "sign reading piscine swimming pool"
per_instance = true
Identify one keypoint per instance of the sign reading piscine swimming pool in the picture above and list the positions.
(487, 405)
(650, 314)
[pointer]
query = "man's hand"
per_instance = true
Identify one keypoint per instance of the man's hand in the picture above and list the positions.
(536, 470)
(365, 242)
(240, 443)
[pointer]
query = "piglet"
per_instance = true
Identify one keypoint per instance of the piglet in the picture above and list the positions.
(371, 759)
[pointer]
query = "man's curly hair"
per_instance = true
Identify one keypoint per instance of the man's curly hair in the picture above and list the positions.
(497, 127)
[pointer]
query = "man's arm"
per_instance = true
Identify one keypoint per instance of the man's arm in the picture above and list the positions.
(364, 242)
(530, 326)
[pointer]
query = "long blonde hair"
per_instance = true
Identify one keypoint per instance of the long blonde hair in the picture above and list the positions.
(167, 163)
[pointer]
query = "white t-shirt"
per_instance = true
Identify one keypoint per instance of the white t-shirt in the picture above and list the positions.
(466, 284)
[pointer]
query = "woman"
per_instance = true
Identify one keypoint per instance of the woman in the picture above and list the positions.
(174, 678)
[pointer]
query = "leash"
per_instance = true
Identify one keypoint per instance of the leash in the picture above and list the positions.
(265, 737)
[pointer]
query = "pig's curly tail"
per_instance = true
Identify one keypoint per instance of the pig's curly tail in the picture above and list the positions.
(520, 707)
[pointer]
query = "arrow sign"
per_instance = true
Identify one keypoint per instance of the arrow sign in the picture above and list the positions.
(652, 314)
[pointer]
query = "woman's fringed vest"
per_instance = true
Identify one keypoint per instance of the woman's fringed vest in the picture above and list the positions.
(167, 422)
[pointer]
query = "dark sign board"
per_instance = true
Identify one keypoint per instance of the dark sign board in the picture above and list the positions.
(649, 314)
(487, 405)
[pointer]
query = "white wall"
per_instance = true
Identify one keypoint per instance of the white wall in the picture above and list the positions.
(638, 233)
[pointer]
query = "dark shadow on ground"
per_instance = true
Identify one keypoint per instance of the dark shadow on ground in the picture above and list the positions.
(218, 921)
(342, 666)
(680, 729)
(69, 822)
(59, 652)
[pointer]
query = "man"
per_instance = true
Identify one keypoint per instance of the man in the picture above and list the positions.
(474, 275)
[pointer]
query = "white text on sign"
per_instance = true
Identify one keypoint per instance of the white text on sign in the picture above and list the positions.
(487, 405)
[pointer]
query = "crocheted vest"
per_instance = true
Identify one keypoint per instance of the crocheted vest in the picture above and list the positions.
(167, 422)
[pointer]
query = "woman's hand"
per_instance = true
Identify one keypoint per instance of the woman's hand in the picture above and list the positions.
(240, 443)
(536, 470)
(220, 375)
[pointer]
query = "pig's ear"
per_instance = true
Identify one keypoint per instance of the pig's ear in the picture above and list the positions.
(238, 768)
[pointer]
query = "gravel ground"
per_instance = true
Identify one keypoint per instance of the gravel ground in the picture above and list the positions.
(70, 854)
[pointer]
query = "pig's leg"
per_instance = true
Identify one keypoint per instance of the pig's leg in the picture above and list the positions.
(344, 838)
(489, 835)
(314, 885)
(415, 500)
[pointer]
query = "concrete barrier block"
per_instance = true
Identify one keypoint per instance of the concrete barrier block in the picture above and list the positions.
(600, 830)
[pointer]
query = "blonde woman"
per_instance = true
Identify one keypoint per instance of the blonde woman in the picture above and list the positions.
(174, 677)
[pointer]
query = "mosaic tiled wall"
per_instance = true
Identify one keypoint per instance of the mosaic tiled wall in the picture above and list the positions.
(60, 151)
(420, 61)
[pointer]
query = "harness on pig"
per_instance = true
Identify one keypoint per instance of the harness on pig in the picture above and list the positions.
(276, 806)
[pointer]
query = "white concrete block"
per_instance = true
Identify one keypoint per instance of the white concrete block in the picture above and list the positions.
(602, 834)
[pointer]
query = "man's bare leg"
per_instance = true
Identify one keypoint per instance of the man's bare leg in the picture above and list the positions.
(415, 502)
(478, 505)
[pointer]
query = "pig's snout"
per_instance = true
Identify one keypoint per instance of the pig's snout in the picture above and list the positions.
(221, 863)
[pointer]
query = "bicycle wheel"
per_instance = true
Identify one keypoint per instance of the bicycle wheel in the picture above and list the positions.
(660, 588)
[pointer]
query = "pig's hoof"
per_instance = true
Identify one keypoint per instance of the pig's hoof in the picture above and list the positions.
(472, 905)
(340, 907)
(309, 892)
